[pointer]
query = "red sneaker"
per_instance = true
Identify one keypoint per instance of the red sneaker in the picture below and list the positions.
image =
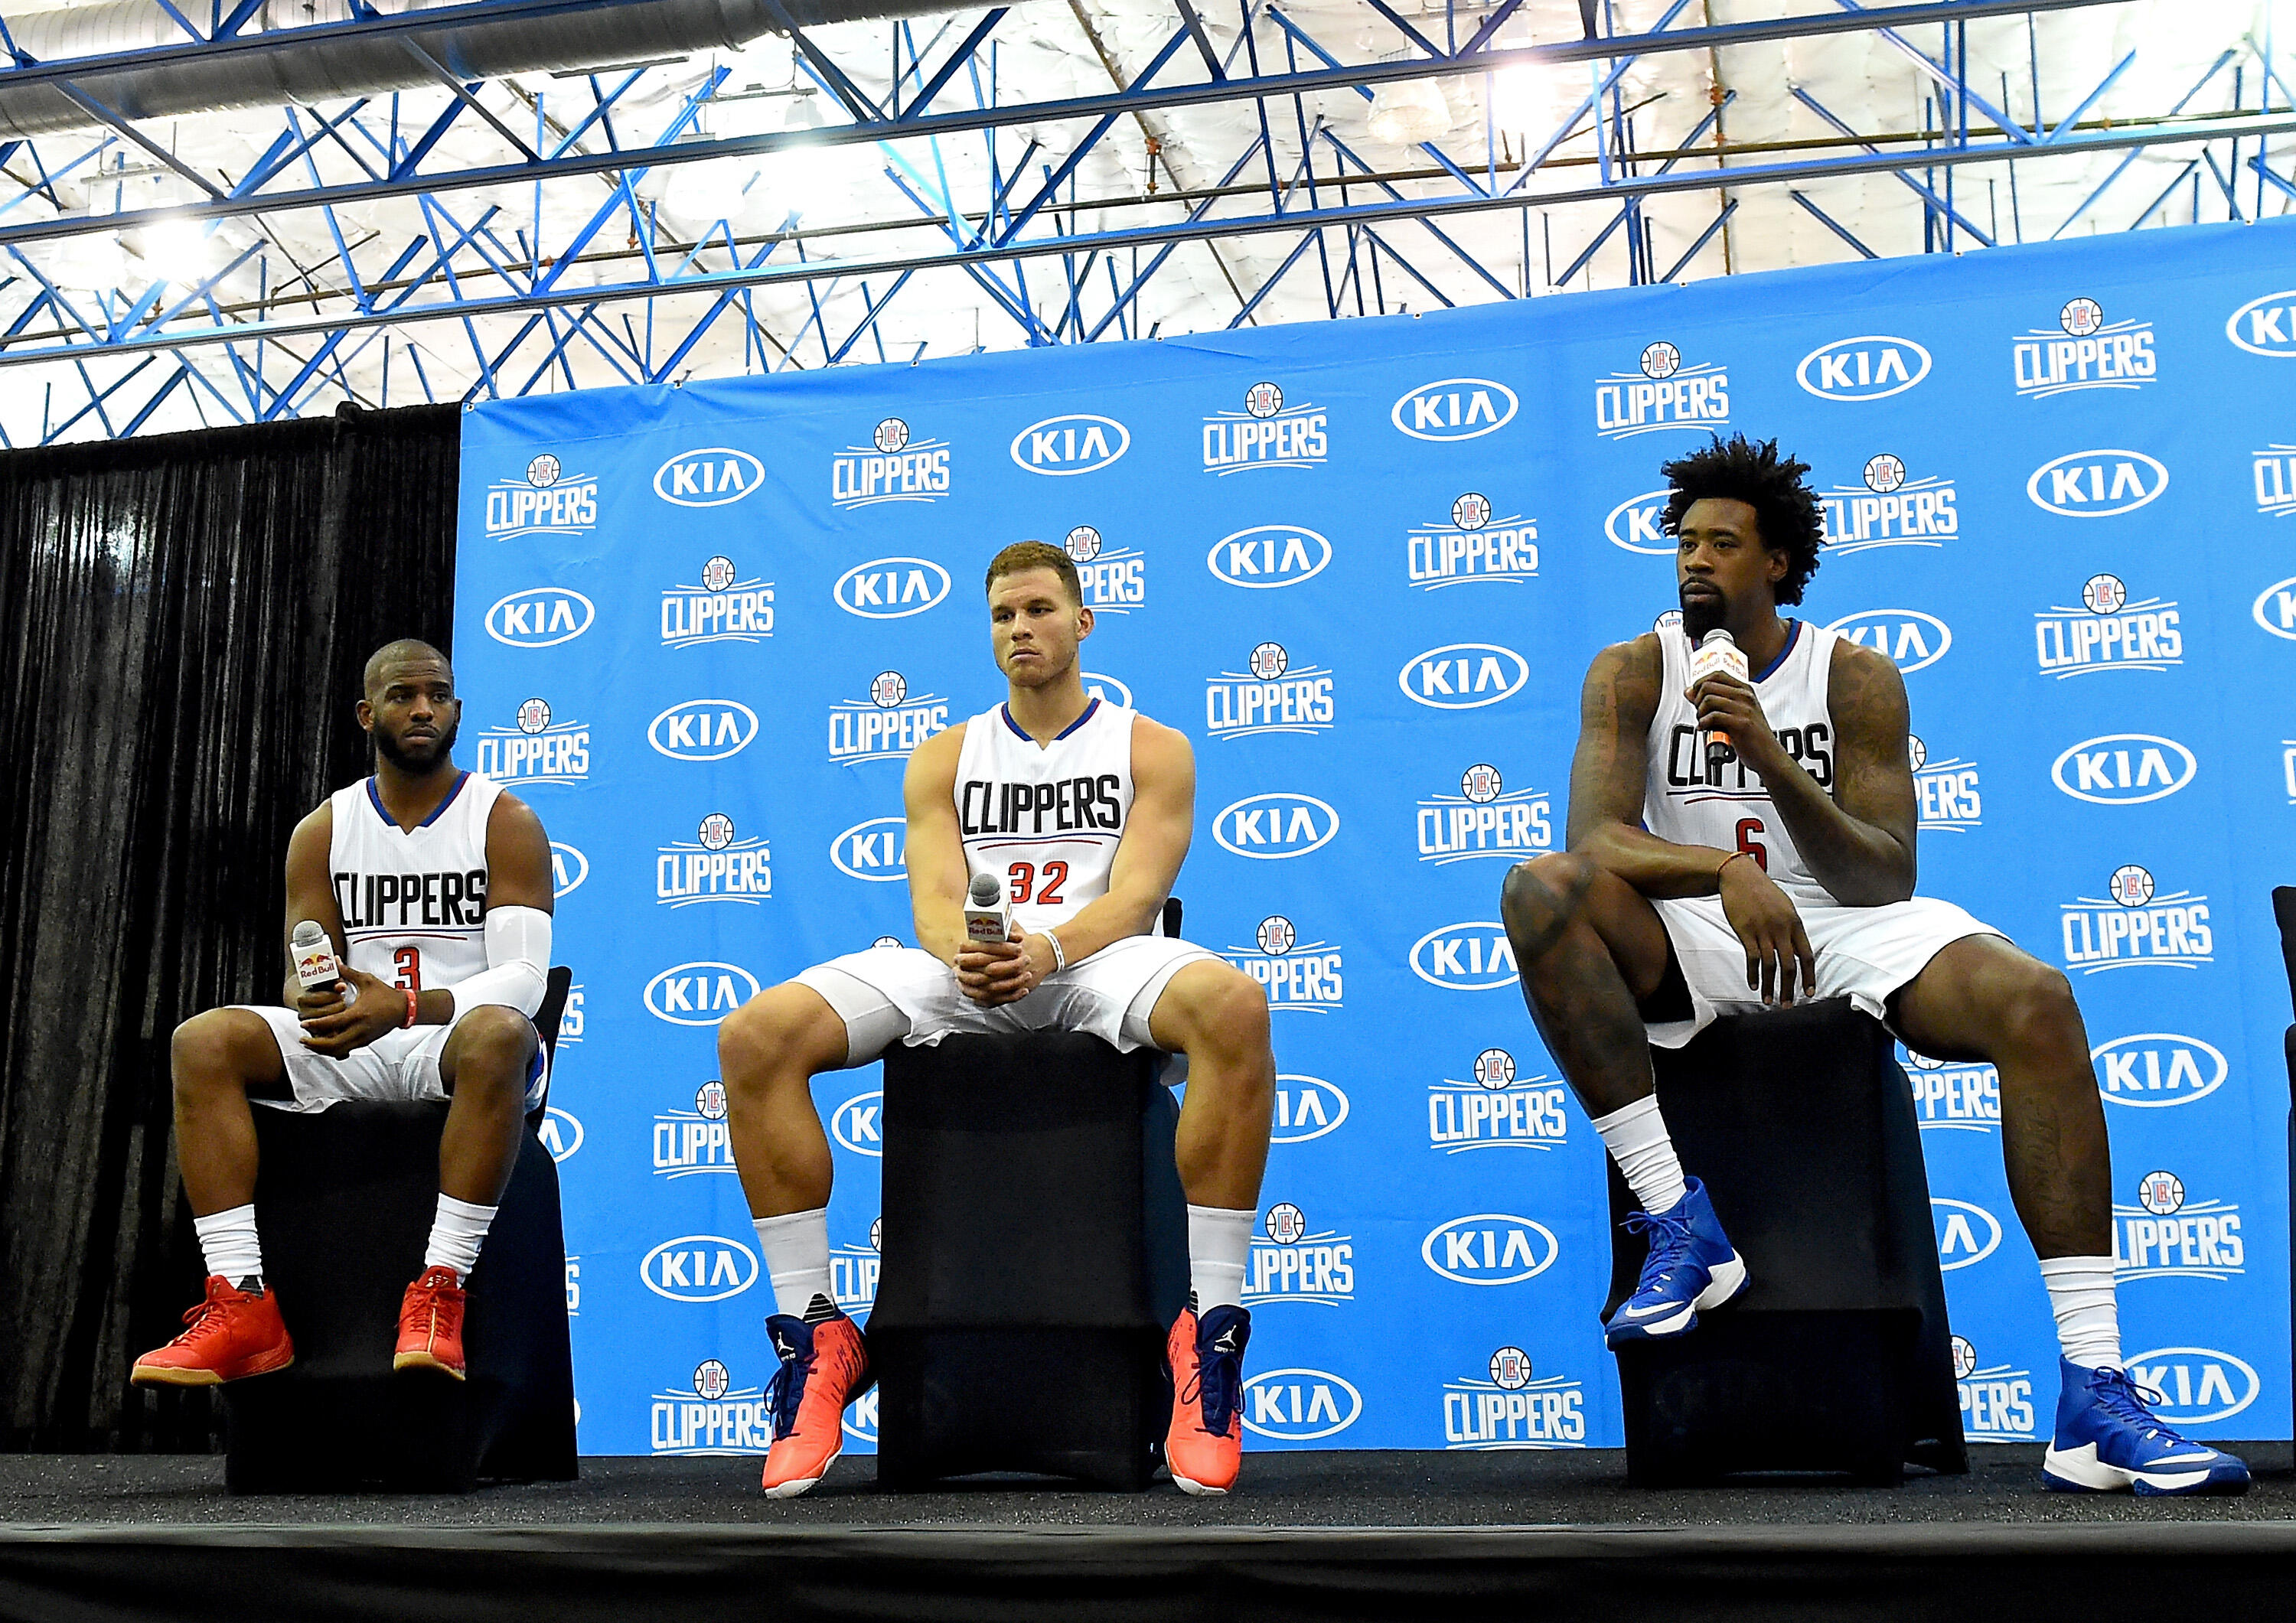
(233, 1334)
(1204, 1448)
(431, 1323)
(825, 1366)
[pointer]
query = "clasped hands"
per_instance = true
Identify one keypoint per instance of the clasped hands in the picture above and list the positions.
(991, 973)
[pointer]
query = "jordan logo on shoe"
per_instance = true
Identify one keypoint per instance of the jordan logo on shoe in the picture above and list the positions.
(1226, 1342)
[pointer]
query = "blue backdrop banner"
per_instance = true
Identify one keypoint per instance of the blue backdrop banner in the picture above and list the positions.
(1364, 566)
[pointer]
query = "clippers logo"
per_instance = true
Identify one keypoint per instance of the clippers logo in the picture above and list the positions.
(1871, 366)
(571, 1023)
(716, 1417)
(1268, 555)
(2108, 632)
(560, 1133)
(712, 477)
(877, 850)
(1070, 444)
(1271, 827)
(547, 502)
(2196, 1384)
(853, 1271)
(1453, 408)
(1953, 1095)
(2275, 480)
(2131, 926)
(2124, 769)
(698, 1268)
(537, 750)
(2164, 1236)
(1947, 790)
(540, 616)
(1473, 547)
(2097, 484)
(1997, 1404)
(1300, 1405)
(1114, 582)
(568, 869)
(1890, 509)
(891, 588)
(704, 730)
(722, 608)
(1496, 1109)
(890, 468)
(1265, 434)
(1665, 394)
(1967, 1233)
(714, 866)
(1295, 974)
(1294, 1265)
(854, 1124)
(690, 1141)
(886, 726)
(1514, 1409)
(2084, 352)
(698, 993)
(2154, 1070)
(2266, 326)
(1638, 525)
(1463, 676)
(1475, 956)
(1485, 819)
(1306, 1108)
(1269, 696)
(1491, 1247)
(1907, 638)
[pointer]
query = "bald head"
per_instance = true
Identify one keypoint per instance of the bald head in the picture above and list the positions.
(405, 650)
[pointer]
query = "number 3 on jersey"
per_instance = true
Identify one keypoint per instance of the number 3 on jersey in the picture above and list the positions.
(1025, 882)
(408, 960)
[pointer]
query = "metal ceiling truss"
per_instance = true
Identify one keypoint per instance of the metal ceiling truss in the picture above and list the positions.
(485, 301)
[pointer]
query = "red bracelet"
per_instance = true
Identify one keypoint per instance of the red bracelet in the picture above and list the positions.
(411, 997)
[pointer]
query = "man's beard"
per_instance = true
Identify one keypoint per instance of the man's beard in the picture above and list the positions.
(1044, 673)
(409, 762)
(1701, 615)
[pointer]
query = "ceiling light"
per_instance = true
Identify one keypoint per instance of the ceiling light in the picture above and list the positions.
(803, 114)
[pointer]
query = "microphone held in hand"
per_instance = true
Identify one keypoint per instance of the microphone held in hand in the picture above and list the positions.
(1716, 650)
(315, 957)
(987, 917)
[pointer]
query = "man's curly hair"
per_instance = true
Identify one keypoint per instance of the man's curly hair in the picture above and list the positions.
(1786, 514)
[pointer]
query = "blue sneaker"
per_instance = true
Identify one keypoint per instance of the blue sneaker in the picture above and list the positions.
(2109, 1441)
(1691, 1267)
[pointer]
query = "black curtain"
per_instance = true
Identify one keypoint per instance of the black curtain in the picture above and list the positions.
(182, 622)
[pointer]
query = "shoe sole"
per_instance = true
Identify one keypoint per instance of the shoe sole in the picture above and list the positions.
(1204, 1489)
(1723, 1286)
(2080, 1471)
(791, 1490)
(161, 1374)
(423, 1360)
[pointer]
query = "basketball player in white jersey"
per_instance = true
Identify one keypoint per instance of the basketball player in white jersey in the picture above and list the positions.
(434, 886)
(1084, 810)
(1781, 866)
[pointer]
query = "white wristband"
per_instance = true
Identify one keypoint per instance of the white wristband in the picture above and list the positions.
(1060, 958)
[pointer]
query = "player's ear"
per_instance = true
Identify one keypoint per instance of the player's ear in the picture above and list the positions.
(365, 713)
(1084, 623)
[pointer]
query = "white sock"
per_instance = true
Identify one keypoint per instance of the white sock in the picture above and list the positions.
(797, 1259)
(1637, 1138)
(2088, 1317)
(1220, 1243)
(456, 1233)
(227, 1240)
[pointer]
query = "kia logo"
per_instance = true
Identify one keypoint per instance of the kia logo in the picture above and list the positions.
(1268, 555)
(1270, 827)
(559, 1132)
(1871, 366)
(2266, 326)
(2097, 484)
(876, 851)
(1299, 1406)
(860, 1417)
(2124, 769)
(1106, 687)
(891, 588)
(2196, 1384)
(2154, 1070)
(1966, 1234)
(698, 1268)
(1470, 957)
(1633, 525)
(1491, 1247)
(698, 993)
(568, 868)
(1306, 1108)
(709, 477)
(703, 729)
(2275, 608)
(1455, 408)
(854, 1124)
(540, 616)
(1907, 638)
(1078, 443)
(1463, 676)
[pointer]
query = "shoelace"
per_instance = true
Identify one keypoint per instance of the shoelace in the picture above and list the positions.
(1219, 1383)
(1669, 1239)
(786, 1390)
(202, 1318)
(2119, 1394)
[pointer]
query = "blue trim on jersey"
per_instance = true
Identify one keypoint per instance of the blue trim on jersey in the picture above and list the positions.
(1079, 722)
(1005, 711)
(461, 779)
(1793, 635)
(374, 799)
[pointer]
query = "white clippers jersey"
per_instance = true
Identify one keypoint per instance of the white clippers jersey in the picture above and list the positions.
(1691, 803)
(413, 905)
(1045, 820)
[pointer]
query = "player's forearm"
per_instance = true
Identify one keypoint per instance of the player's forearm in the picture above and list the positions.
(1860, 864)
(1655, 867)
(941, 927)
(1113, 917)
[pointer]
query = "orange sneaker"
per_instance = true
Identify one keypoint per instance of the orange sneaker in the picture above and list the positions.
(431, 1323)
(1204, 1448)
(233, 1334)
(825, 1366)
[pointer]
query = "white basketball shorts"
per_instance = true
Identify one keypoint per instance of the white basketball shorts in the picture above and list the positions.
(401, 1064)
(1864, 953)
(905, 992)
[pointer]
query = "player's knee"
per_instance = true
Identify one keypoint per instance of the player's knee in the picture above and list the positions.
(207, 1051)
(492, 1043)
(1538, 897)
(1235, 1011)
(2037, 1008)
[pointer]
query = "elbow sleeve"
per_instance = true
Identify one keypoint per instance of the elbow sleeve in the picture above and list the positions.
(518, 963)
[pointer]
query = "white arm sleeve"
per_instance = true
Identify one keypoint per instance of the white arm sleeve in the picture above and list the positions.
(518, 963)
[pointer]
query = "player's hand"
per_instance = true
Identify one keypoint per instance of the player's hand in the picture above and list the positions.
(997, 973)
(374, 1007)
(1726, 704)
(1779, 962)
